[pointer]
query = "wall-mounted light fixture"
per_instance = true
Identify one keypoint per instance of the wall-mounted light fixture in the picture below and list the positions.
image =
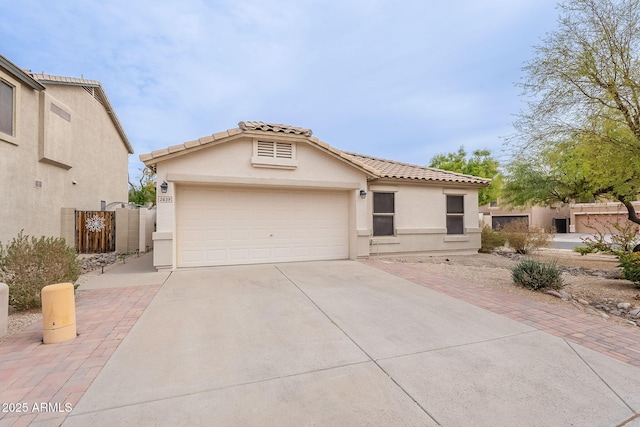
(363, 194)
(164, 186)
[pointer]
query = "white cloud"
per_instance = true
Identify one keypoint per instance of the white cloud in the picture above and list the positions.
(381, 77)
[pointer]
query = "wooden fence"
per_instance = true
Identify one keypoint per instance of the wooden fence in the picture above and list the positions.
(95, 231)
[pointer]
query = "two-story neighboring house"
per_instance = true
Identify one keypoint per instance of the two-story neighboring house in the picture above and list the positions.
(61, 146)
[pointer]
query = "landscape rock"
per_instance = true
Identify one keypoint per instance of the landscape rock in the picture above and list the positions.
(554, 293)
(583, 302)
(635, 313)
(565, 296)
(624, 306)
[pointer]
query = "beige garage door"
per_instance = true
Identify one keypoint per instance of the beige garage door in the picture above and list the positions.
(227, 225)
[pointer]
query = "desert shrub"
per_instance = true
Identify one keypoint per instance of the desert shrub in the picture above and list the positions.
(524, 239)
(28, 264)
(490, 239)
(609, 237)
(536, 275)
(630, 263)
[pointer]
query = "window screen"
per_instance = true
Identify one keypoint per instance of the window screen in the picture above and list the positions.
(383, 213)
(455, 214)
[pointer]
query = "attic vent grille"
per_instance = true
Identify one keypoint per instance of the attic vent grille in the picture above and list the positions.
(284, 150)
(93, 92)
(271, 154)
(266, 149)
(277, 150)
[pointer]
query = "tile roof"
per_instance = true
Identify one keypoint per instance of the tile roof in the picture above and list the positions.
(398, 170)
(274, 128)
(373, 166)
(48, 78)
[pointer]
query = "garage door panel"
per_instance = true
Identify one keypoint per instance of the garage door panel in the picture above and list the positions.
(241, 226)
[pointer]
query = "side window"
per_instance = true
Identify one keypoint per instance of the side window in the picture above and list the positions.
(455, 214)
(383, 213)
(7, 108)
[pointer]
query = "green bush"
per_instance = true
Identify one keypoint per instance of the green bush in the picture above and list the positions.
(490, 240)
(29, 264)
(524, 239)
(536, 275)
(630, 263)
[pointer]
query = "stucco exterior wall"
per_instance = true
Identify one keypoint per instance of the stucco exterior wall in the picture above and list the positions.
(63, 136)
(420, 220)
(19, 170)
(229, 163)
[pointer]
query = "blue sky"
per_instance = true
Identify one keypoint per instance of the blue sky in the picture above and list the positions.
(403, 80)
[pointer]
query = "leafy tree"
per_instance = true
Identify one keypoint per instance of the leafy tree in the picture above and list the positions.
(479, 164)
(580, 134)
(145, 191)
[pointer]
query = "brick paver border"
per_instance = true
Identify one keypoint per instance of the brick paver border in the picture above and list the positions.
(599, 334)
(41, 383)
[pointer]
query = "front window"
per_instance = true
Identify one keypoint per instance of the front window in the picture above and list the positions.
(6, 108)
(383, 213)
(455, 214)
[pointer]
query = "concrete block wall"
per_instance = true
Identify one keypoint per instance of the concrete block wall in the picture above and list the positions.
(134, 228)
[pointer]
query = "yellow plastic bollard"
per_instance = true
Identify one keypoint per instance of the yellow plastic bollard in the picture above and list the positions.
(58, 313)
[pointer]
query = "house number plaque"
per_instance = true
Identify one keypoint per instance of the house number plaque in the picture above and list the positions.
(165, 199)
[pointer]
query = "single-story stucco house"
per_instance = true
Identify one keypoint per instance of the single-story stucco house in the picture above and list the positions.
(263, 193)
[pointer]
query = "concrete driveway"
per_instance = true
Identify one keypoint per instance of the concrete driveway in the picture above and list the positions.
(341, 343)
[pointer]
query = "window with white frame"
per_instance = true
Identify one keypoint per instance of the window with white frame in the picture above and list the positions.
(7, 108)
(383, 214)
(455, 214)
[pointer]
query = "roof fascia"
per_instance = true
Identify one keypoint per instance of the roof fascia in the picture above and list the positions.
(428, 183)
(19, 74)
(153, 158)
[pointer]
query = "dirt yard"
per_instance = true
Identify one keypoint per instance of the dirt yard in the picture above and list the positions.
(592, 278)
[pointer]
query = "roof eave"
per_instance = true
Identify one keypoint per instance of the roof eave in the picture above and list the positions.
(19, 74)
(453, 183)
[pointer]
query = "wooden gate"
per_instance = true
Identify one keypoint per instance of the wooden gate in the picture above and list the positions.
(95, 231)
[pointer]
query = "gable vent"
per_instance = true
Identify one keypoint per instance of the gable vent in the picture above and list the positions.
(271, 154)
(277, 150)
(266, 149)
(284, 150)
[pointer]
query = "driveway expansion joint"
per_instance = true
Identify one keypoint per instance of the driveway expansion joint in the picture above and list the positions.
(588, 365)
(422, 408)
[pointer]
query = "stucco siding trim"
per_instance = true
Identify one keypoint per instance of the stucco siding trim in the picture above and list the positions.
(435, 230)
(228, 180)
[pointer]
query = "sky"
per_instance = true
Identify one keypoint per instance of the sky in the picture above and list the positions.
(399, 79)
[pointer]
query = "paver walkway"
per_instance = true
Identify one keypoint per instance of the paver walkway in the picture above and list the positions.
(40, 383)
(618, 341)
